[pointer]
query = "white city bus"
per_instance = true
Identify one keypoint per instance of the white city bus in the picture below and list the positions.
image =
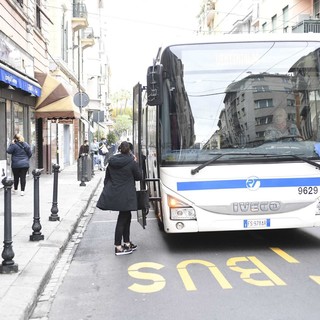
(228, 134)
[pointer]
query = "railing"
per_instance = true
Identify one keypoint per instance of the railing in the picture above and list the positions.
(305, 26)
(88, 33)
(80, 10)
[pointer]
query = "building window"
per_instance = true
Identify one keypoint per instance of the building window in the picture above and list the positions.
(290, 102)
(38, 14)
(316, 8)
(263, 103)
(285, 18)
(260, 134)
(292, 117)
(263, 120)
(20, 2)
(261, 88)
(274, 23)
(264, 27)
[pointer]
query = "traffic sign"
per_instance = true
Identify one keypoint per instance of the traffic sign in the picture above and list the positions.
(81, 99)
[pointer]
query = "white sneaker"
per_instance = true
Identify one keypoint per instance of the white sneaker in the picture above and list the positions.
(22, 193)
(14, 191)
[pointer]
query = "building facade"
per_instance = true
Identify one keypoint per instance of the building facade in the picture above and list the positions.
(44, 81)
(252, 16)
(22, 51)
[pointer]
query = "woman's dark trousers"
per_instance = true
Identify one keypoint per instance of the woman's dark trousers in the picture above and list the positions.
(19, 174)
(122, 228)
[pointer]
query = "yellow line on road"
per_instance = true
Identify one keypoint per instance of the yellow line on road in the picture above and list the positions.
(315, 279)
(267, 271)
(284, 255)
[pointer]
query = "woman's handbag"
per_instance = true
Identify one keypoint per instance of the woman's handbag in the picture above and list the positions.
(143, 199)
(104, 149)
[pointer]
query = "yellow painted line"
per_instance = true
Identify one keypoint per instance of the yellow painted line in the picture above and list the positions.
(267, 271)
(156, 281)
(187, 280)
(248, 274)
(315, 279)
(284, 255)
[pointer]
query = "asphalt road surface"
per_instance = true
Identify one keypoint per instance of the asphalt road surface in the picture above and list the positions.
(266, 275)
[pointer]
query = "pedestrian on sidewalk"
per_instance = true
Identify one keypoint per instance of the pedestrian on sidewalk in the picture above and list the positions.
(119, 194)
(20, 158)
(103, 152)
(84, 148)
(94, 148)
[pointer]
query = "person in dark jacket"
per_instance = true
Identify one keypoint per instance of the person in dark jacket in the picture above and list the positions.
(84, 148)
(20, 156)
(119, 194)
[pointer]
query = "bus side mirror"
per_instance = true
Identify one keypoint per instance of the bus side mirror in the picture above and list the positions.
(154, 85)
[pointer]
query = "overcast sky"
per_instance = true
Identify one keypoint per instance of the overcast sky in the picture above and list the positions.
(137, 28)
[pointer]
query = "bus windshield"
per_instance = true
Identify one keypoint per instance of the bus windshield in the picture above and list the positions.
(249, 101)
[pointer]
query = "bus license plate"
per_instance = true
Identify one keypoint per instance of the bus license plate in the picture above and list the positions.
(256, 223)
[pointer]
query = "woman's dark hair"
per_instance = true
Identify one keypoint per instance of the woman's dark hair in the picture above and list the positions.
(124, 147)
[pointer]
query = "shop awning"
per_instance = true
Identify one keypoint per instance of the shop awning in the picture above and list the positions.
(55, 101)
(87, 124)
(18, 80)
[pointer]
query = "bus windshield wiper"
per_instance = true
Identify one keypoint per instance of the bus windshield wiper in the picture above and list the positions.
(219, 155)
(317, 165)
(197, 169)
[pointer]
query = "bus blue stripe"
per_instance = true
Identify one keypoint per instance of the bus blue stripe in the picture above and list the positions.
(242, 184)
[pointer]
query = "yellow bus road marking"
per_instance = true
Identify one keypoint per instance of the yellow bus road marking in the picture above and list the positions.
(156, 281)
(247, 274)
(284, 255)
(315, 279)
(267, 271)
(188, 282)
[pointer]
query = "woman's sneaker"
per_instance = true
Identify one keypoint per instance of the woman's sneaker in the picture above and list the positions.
(124, 250)
(131, 246)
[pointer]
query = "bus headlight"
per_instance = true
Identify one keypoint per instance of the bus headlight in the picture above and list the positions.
(180, 210)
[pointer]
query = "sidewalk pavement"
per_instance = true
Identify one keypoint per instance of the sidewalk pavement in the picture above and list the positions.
(36, 259)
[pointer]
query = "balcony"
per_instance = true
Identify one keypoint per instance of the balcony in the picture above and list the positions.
(79, 17)
(305, 26)
(87, 38)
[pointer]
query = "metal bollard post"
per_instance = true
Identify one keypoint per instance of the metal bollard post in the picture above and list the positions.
(8, 265)
(92, 163)
(83, 170)
(54, 209)
(36, 227)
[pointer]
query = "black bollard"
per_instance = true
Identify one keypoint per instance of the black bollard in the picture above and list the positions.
(36, 227)
(83, 170)
(54, 209)
(92, 163)
(8, 265)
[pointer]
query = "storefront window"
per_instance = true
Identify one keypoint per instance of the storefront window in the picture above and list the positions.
(32, 139)
(18, 118)
(9, 123)
(3, 140)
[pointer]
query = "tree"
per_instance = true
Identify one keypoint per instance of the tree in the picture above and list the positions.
(123, 124)
(121, 103)
(112, 137)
